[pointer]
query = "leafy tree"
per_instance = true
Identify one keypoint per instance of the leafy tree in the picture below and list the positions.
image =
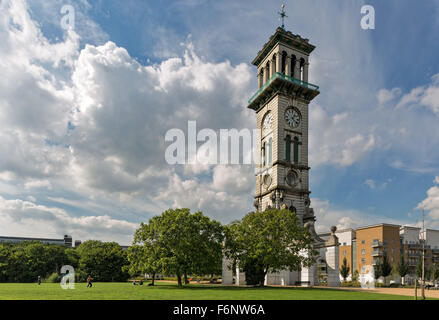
(377, 270)
(269, 241)
(344, 270)
(402, 268)
(386, 267)
(180, 243)
(355, 275)
(103, 260)
(145, 253)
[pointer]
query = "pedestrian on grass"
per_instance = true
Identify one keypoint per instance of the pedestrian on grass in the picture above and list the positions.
(89, 281)
(39, 280)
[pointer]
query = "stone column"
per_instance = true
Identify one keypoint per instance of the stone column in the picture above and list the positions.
(227, 273)
(240, 277)
(297, 70)
(287, 65)
(332, 259)
(305, 72)
(278, 63)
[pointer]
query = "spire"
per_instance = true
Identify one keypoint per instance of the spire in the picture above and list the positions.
(283, 15)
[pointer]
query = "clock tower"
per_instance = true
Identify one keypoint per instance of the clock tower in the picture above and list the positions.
(282, 177)
(282, 107)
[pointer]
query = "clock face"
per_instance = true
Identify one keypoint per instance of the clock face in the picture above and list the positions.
(292, 117)
(267, 122)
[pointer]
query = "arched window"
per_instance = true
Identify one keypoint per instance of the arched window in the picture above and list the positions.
(270, 151)
(263, 154)
(261, 78)
(273, 64)
(296, 150)
(293, 66)
(288, 148)
(284, 62)
(268, 71)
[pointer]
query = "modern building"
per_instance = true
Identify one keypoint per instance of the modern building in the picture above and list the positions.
(66, 241)
(364, 246)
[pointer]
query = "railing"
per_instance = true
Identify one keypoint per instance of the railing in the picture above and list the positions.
(376, 243)
(376, 253)
(284, 77)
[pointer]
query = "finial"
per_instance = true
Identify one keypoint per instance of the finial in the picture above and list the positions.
(283, 15)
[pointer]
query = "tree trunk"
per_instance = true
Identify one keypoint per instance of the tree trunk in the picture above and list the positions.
(186, 281)
(179, 279)
(153, 278)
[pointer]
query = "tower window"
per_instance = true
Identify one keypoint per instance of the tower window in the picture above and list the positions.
(263, 154)
(284, 62)
(296, 150)
(288, 148)
(293, 66)
(270, 153)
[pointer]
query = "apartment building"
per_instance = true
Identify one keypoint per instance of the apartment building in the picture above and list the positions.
(373, 242)
(364, 246)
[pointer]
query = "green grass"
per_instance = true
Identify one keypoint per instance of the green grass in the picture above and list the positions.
(169, 291)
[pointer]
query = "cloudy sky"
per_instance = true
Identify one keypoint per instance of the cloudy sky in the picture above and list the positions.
(84, 111)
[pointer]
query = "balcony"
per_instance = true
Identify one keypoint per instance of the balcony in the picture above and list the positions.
(281, 81)
(376, 243)
(377, 253)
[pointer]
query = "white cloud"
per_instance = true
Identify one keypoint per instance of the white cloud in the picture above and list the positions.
(20, 217)
(328, 215)
(38, 184)
(384, 96)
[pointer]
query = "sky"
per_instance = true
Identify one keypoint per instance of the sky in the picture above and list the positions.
(85, 110)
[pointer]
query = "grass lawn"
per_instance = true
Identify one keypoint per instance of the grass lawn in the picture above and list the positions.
(170, 291)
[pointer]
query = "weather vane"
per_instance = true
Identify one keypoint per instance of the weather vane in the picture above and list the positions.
(283, 15)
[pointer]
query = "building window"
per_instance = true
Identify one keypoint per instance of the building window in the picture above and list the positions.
(288, 148)
(296, 150)
(393, 250)
(363, 251)
(344, 253)
(363, 242)
(363, 260)
(270, 151)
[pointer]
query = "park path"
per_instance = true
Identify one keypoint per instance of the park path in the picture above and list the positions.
(398, 291)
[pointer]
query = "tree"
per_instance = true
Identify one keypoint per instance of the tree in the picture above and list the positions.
(402, 268)
(180, 243)
(145, 253)
(103, 260)
(386, 267)
(355, 275)
(269, 241)
(344, 270)
(377, 270)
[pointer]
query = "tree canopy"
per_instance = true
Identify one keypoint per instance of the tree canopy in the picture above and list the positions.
(268, 241)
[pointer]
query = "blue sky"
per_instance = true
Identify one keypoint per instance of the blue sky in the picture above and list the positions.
(105, 93)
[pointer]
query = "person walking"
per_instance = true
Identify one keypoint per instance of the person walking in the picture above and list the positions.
(39, 280)
(89, 281)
